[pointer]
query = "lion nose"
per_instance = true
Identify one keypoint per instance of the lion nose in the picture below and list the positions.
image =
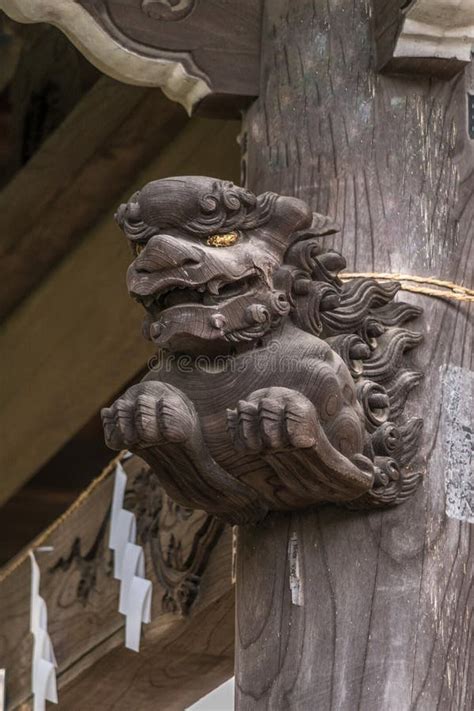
(167, 252)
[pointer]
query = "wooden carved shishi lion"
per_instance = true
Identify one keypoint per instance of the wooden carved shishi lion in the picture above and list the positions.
(280, 386)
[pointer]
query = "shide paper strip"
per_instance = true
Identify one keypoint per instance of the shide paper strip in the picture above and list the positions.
(126, 534)
(2, 689)
(120, 484)
(133, 564)
(129, 565)
(138, 611)
(43, 672)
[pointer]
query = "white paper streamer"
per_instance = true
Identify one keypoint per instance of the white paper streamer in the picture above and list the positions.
(129, 565)
(2, 689)
(117, 504)
(126, 533)
(133, 564)
(138, 611)
(43, 672)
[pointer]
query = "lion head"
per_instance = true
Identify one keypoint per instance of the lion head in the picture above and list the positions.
(216, 266)
(206, 252)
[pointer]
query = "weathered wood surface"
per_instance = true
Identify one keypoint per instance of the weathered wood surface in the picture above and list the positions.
(424, 36)
(197, 51)
(181, 657)
(320, 394)
(75, 176)
(387, 614)
(76, 340)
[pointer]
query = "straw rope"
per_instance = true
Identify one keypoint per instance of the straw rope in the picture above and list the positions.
(444, 290)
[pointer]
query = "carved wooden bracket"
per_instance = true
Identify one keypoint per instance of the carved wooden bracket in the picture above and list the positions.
(425, 36)
(195, 50)
(276, 385)
(205, 53)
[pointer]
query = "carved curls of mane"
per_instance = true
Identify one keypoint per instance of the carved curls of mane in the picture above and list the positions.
(128, 218)
(223, 208)
(229, 207)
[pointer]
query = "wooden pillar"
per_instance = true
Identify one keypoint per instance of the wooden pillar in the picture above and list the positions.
(352, 610)
(336, 609)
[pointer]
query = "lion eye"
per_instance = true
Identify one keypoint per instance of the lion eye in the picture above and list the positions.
(138, 248)
(225, 240)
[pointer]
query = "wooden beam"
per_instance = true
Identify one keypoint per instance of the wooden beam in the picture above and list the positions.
(50, 79)
(424, 36)
(195, 51)
(60, 363)
(85, 165)
(182, 657)
(10, 51)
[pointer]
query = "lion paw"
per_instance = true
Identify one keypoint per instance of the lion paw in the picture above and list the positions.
(273, 419)
(149, 414)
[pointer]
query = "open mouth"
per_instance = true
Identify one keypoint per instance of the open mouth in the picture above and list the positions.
(211, 293)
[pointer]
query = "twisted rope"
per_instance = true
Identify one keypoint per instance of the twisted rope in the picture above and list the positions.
(445, 290)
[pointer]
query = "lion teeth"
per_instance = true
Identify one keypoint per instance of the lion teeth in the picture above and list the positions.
(212, 291)
(213, 287)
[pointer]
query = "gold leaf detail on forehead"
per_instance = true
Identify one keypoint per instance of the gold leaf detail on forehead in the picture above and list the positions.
(225, 240)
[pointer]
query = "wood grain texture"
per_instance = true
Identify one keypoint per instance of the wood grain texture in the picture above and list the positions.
(214, 40)
(82, 305)
(324, 420)
(73, 178)
(424, 36)
(199, 52)
(387, 614)
(182, 657)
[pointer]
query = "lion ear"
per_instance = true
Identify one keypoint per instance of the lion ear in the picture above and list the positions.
(323, 225)
(320, 227)
(288, 216)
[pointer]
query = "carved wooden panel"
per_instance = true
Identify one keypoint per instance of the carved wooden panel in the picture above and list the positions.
(177, 540)
(194, 50)
(277, 386)
(181, 656)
